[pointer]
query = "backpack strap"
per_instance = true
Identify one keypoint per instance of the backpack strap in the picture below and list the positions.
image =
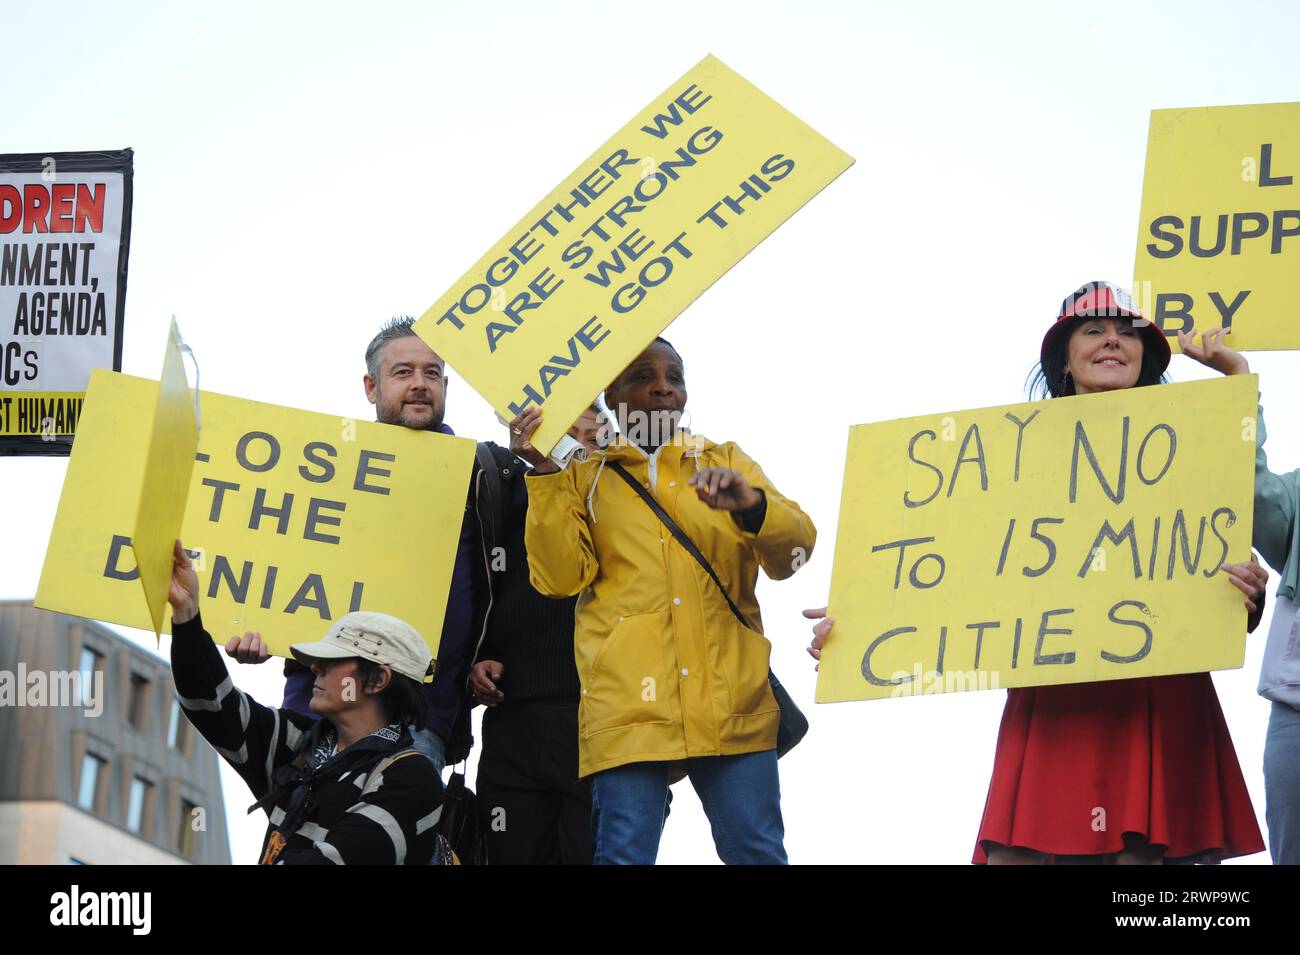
(493, 491)
(376, 772)
(492, 501)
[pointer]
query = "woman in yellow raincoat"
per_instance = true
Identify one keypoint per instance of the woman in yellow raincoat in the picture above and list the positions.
(671, 679)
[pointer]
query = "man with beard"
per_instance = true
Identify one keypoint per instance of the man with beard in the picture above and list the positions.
(405, 380)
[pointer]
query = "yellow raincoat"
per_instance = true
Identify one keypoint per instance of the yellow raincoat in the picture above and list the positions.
(667, 671)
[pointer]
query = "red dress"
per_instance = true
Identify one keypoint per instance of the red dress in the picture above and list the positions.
(1078, 766)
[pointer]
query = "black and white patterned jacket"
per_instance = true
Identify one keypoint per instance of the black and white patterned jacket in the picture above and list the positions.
(377, 802)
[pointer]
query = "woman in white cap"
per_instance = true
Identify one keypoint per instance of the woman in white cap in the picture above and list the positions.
(347, 788)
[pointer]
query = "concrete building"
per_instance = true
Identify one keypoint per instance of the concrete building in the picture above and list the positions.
(97, 763)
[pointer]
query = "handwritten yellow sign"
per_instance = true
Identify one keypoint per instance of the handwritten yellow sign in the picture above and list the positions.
(584, 281)
(1063, 541)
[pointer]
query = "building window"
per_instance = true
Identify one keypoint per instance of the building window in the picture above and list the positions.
(91, 766)
(176, 727)
(88, 664)
(188, 836)
(139, 701)
(136, 804)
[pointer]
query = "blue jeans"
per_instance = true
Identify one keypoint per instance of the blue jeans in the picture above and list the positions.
(1282, 784)
(430, 744)
(741, 796)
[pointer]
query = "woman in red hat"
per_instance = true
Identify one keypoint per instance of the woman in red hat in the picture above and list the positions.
(1154, 753)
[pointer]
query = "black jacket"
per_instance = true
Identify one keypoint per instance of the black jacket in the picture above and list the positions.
(377, 802)
(532, 635)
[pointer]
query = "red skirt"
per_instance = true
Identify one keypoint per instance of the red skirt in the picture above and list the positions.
(1080, 766)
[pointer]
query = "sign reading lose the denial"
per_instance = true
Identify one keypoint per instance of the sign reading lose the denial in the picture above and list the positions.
(579, 286)
(1219, 239)
(295, 518)
(1063, 541)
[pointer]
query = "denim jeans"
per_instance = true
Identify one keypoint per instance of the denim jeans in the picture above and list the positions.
(430, 744)
(1282, 784)
(741, 797)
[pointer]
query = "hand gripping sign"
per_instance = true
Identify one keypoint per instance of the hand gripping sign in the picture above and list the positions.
(1063, 541)
(1219, 238)
(294, 518)
(580, 285)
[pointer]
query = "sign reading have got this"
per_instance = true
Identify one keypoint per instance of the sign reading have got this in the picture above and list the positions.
(584, 281)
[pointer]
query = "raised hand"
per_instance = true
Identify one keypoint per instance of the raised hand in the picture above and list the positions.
(1213, 353)
(183, 594)
(247, 649)
(724, 489)
(522, 429)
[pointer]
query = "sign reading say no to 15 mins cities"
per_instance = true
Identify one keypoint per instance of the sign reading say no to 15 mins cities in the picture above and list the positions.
(1063, 541)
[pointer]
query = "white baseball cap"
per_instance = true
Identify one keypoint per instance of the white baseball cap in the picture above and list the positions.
(372, 636)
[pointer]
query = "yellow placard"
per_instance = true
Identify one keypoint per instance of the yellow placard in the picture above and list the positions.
(165, 485)
(49, 414)
(295, 518)
(1219, 238)
(1062, 541)
(575, 290)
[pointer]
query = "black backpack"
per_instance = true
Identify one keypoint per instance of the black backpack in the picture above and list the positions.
(459, 824)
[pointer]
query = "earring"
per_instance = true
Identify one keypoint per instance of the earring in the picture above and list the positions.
(1065, 382)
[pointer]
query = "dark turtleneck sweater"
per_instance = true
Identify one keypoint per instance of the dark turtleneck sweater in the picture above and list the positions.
(530, 634)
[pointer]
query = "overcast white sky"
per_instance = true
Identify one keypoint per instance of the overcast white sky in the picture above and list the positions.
(305, 171)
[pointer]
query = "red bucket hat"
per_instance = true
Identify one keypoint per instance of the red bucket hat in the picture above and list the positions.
(1104, 300)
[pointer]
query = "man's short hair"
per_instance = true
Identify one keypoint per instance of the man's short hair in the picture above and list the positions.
(399, 326)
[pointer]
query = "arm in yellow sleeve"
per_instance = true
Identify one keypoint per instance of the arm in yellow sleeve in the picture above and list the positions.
(561, 559)
(785, 541)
